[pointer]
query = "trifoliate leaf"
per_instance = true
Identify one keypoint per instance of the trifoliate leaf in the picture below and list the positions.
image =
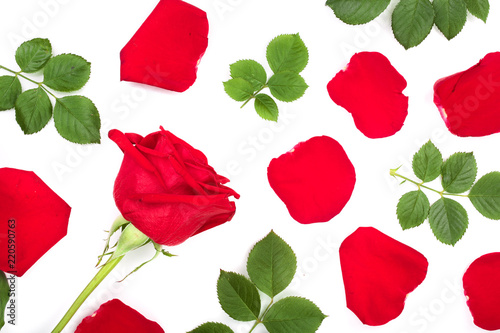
(427, 162)
(77, 119)
(4, 297)
(10, 88)
(251, 71)
(239, 89)
(287, 53)
(448, 220)
(32, 55)
(66, 72)
(412, 21)
(450, 16)
(266, 107)
(293, 315)
(357, 11)
(413, 209)
(458, 172)
(485, 195)
(212, 328)
(33, 110)
(238, 296)
(271, 265)
(478, 8)
(287, 86)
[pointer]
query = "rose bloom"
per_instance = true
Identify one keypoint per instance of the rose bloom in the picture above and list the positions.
(166, 188)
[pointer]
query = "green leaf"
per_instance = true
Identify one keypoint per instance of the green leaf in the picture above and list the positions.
(239, 89)
(458, 172)
(212, 328)
(266, 107)
(450, 16)
(271, 265)
(412, 21)
(66, 72)
(293, 315)
(427, 162)
(478, 8)
(4, 297)
(413, 209)
(448, 220)
(32, 55)
(357, 11)
(33, 110)
(251, 71)
(77, 119)
(287, 86)
(287, 53)
(10, 88)
(485, 195)
(238, 296)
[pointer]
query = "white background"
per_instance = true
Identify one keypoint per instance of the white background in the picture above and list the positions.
(179, 293)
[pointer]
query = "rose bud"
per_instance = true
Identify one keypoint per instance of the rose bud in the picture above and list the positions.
(469, 101)
(115, 316)
(34, 219)
(166, 188)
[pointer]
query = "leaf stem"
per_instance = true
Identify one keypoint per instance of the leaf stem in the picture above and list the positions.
(98, 278)
(420, 185)
(253, 96)
(261, 318)
(21, 75)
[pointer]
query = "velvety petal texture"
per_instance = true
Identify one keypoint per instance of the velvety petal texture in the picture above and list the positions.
(371, 89)
(114, 316)
(482, 289)
(167, 48)
(315, 179)
(34, 219)
(166, 188)
(379, 272)
(469, 101)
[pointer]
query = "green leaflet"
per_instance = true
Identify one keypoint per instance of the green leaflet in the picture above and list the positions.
(212, 328)
(76, 117)
(271, 265)
(485, 195)
(459, 172)
(478, 8)
(238, 296)
(427, 162)
(412, 21)
(448, 220)
(287, 56)
(33, 110)
(413, 209)
(357, 11)
(450, 16)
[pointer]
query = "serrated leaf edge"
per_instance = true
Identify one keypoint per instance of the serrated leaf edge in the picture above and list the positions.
(90, 71)
(295, 34)
(463, 233)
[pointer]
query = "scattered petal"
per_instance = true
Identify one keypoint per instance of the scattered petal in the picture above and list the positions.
(115, 316)
(34, 219)
(167, 48)
(483, 291)
(469, 101)
(315, 179)
(166, 188)
(372, 91)
(379, 272)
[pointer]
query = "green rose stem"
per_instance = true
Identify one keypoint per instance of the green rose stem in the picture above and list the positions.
(420, 185)
(39, 84)
(261, 318)
(98, 278)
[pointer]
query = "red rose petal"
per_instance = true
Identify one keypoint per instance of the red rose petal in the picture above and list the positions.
(166, 188)
(469, 101)
(167, 48)
(115, 316)
(315, 179)
(40, 219)
(372, 91)
(482, 288)
(379, 272)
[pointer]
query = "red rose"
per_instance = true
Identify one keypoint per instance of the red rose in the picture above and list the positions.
(34, 219)
(166, 188)
(115, 316)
